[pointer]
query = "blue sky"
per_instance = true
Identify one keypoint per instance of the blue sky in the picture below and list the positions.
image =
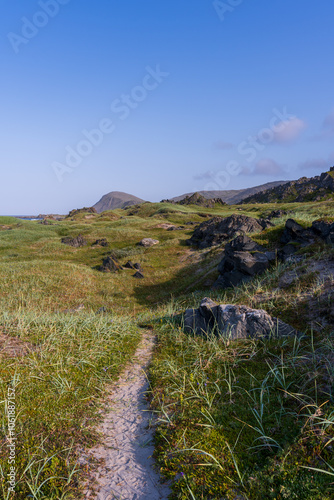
(160, 98)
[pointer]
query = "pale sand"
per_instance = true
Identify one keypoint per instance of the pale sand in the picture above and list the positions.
(127, 470)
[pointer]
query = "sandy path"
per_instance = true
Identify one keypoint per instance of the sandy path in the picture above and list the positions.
(127, 473)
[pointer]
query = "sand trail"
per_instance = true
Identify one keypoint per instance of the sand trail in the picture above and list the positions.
(126, 449)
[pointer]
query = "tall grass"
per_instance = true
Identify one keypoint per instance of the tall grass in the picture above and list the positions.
(59, 385)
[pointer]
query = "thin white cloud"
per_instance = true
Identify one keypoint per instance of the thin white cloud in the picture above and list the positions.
(317, 164)
(327, 129)
(288, 131)
(265, 166)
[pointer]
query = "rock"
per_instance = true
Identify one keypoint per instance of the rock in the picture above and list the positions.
(76, 242)
(243, 258)
(287, 252)
(295, 237)
(129, 265)
(101, 243)
(275, 214)
(219, 230)
(110, 265)
(167, 226)
(45, 222)
(90, 210)
(324, 229)
(138, 275)
(233, 322)
(136, 265)
(174, 228)
(148, 242)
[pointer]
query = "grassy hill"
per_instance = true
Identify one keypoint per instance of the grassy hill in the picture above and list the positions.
(116, 199)
(246, 419)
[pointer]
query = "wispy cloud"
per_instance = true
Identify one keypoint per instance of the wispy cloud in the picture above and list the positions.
(209, 174)
(288, 131)
(265, 166)
(327, 129)
(317, 164)
(223, 145)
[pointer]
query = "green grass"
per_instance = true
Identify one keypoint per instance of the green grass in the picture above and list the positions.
(59, 385)
(244, 417)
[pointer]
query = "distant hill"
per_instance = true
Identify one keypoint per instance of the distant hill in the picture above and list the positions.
(116, 199)
(233, 196)
(305, 189)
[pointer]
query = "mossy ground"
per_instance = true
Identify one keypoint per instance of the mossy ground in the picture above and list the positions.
(256, 412)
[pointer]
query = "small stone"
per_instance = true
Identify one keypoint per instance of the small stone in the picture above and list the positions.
(138, 275)
(148, 242)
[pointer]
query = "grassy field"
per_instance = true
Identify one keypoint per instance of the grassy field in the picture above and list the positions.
(252, 419)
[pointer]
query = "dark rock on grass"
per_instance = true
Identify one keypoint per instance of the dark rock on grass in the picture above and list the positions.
(45, 222)
(243, 259)
(174, 228)
(233, 322)
(275, 214)
(129, 265)
(76, 242)
(148, 242)
(138, 275)
(325, 230)
(295, 232)
(219, 230)
(100, 243)
(90, 210)
(110, 265)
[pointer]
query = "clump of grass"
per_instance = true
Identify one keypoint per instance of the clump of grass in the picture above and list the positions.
(59, 386)
(245, 416)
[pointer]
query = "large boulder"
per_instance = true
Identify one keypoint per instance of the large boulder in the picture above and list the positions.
(233, 322)
(324, 229)
(219, 230)
(295, 232)
(243, 258)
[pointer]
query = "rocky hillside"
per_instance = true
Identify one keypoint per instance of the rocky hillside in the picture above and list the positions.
(116, 199)
(304, 189)
(198, 199)
(232, 196)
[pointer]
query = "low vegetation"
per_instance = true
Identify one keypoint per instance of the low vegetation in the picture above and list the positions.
(247, 419)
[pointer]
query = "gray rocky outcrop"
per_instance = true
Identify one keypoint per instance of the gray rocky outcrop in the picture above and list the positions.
(242, 259)
(233, 322)
(76, 242)
(102, 242)
(219, 230)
